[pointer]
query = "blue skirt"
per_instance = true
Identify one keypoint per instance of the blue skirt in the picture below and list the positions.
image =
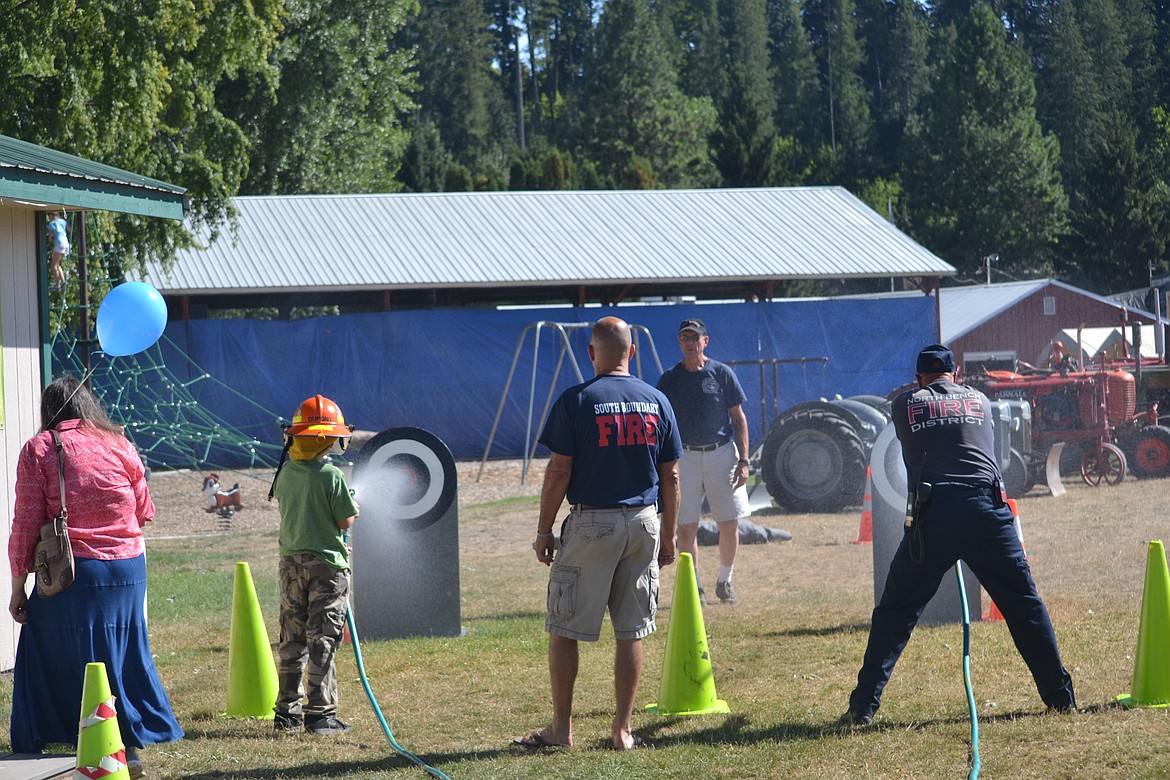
(100, 617)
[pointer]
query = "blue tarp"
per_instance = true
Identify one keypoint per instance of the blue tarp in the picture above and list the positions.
(446, 370)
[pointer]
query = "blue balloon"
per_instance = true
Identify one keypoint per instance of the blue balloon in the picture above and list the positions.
(131, 318)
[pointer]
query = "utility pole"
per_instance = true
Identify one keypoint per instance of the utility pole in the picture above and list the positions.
(987, 261)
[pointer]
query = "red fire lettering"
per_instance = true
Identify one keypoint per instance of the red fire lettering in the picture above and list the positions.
(951, 407)
(635, 429)
(606, 423)
(915, 411)
(626, 429)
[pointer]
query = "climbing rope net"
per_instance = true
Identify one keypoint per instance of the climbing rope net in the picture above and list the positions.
(161, 414)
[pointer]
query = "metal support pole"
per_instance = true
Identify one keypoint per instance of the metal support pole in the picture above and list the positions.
(563, 329)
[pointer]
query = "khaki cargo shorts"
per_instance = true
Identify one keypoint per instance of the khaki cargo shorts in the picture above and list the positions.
(608, 558)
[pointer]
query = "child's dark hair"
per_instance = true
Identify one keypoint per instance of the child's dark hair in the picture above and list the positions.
(66, 398)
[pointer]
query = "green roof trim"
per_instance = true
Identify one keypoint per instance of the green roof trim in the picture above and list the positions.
(34, 173)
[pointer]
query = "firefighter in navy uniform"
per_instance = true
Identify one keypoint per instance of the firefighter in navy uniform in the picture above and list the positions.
(959, 511)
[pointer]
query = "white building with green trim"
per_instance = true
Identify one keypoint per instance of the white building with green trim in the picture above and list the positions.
(35, 180)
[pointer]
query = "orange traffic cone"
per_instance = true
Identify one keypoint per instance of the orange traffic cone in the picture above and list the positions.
(865, 533)
(1011, 502)
(993, 614)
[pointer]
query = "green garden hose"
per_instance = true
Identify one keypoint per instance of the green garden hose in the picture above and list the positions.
(974, 773)
(357, 653)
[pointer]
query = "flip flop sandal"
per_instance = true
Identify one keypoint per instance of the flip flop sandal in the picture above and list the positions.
(535, 741)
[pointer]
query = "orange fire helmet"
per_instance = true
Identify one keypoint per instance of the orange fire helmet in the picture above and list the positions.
(319, 417)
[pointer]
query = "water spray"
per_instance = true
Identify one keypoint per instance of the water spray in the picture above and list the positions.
(361, 668)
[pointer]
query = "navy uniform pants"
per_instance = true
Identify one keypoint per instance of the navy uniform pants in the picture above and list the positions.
(962, 523)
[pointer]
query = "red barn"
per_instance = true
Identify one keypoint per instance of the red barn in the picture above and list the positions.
(992, 325)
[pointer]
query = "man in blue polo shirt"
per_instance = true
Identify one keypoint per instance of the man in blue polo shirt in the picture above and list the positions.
(708, 399)
(614, 454)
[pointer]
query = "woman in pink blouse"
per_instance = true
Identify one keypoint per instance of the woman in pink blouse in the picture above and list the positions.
(102, 615)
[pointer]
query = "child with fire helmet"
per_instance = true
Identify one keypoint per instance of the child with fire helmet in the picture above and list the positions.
(316, 510)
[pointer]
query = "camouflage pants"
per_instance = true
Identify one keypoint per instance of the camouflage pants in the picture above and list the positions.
(313, 601)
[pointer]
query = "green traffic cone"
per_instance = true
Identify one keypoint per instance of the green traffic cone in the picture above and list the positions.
(688, 684)
(252, 681)
(1151, 664)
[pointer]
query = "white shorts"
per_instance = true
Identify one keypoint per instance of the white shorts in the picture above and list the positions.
(710, 474)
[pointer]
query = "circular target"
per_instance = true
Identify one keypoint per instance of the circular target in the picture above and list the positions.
(887, 469)
(405, 476)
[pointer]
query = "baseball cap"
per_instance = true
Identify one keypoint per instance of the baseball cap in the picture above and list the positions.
(935, 359)
(693, 324)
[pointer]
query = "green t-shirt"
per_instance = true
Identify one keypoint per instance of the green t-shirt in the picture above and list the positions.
(313, 496)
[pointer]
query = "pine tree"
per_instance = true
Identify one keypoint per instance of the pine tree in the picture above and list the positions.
(695, 45)
(896, 72)
(1120, 215)
(637, 114)
(570, 41)
(1110, 168)
(424, 166)
(794, 73)
(746, 58)
(1069, 100)
(458, 91)
(505, 45)
(1147, 62)
(846, 123)
(981, 175)
(743, 144)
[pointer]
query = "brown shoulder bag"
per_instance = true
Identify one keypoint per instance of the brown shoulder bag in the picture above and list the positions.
(54, 557)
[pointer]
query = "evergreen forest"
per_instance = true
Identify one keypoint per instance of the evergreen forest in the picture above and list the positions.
(1020, 138)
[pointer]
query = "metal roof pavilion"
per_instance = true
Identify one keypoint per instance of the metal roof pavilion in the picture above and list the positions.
(518, 240)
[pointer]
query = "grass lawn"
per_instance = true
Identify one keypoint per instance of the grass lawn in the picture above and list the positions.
(784, 659)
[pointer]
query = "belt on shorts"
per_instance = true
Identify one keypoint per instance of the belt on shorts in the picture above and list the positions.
(705, 447)
(579, 507)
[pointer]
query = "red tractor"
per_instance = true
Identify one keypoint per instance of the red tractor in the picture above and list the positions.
(1092, 412)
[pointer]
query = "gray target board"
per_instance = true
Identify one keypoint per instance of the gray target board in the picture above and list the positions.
(889, 519)
(406, 539)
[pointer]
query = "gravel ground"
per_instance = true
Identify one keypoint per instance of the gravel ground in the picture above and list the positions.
(181, 507)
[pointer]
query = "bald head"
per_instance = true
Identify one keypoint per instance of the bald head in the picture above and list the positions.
(610, 345)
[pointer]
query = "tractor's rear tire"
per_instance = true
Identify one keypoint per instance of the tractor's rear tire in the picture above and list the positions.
(876, 401)
(1147, 452)
(814, 461)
